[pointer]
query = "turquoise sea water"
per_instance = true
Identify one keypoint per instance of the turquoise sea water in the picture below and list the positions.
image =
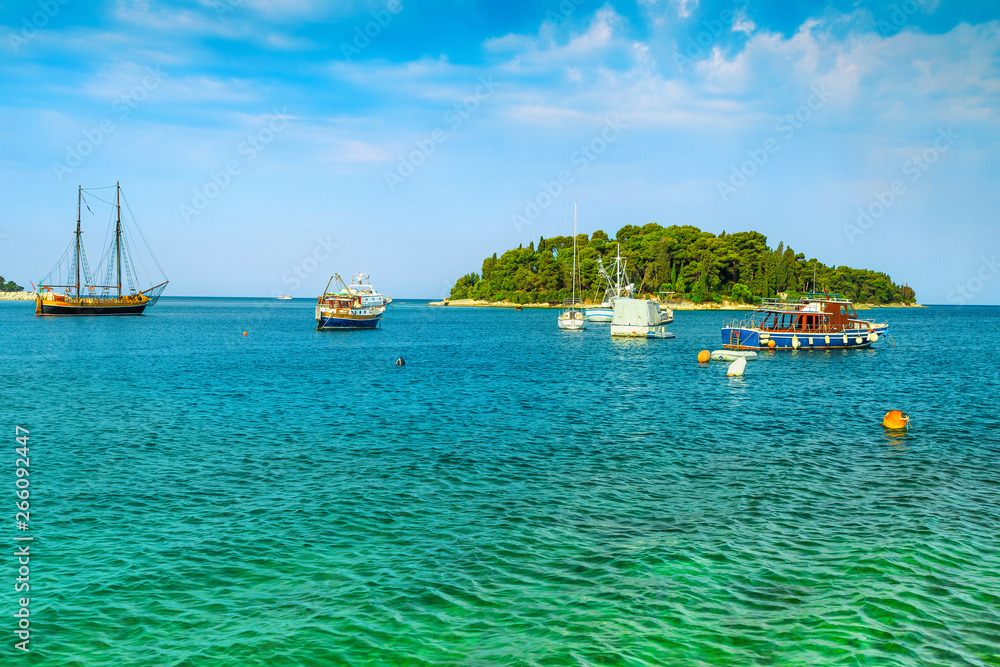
(514, 495)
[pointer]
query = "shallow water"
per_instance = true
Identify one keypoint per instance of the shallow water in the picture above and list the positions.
(515, 494)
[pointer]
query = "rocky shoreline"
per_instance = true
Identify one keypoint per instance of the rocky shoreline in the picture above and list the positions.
(18, 296)
(675, 305)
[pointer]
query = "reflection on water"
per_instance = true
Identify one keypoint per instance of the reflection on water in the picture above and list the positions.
(895, 440)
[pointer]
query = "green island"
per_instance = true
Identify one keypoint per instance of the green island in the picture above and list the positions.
(9, 286)
(694, 265)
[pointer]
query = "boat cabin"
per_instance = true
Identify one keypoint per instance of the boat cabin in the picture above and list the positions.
(811, 314)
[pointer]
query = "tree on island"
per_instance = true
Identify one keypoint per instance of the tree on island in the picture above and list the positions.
(9, 286)
(697, 265)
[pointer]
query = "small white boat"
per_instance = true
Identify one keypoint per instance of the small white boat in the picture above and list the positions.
(733, 355)
(285, 296)
(600, 313)
(572, 318)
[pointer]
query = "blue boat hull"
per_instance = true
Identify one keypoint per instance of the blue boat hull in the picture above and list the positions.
(598, 314)
(341, 323)
(750, 339)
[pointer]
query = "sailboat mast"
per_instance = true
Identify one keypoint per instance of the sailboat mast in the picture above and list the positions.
(118, 236)
(79, 196)
(618, 270)
(574, 250)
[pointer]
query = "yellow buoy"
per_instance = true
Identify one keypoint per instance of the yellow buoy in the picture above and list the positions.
(896, 419)
(704, 356)
(827, 339)
(771, 343)
(795, 342)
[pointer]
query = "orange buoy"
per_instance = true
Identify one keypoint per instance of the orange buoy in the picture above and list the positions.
(244, 333)
(896, 419)
(704, 356)
(771, 343)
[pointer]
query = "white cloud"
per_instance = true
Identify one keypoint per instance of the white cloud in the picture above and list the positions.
(742, 22)
(685, 7)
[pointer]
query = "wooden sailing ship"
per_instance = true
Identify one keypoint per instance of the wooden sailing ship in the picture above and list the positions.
(70, 289)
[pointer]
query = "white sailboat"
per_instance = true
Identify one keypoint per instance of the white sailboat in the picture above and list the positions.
(572, 317)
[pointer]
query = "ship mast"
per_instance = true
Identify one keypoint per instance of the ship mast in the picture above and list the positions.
(574, 250)
(118, 237)
(79, 196)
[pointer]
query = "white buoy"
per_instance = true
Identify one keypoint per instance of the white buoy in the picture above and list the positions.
(737, 367)
(827, 339)
(858, 340)
(845, 339)
(795, 342)
(872, 337)
(810, 340)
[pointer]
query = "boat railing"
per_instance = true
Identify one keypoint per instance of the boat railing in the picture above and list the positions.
(746, 323)
(798, 304)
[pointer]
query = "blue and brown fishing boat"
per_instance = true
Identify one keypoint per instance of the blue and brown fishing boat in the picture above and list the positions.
(813, 322)
(356, 306)
(70, 288)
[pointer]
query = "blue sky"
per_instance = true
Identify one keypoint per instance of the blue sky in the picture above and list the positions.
(264, 145)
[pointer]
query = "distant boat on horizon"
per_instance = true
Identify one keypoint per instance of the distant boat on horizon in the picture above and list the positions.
(285, 296)
(75, 292)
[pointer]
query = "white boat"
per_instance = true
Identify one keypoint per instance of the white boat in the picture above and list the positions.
(638, 318)
(572, 318)
(616, 289)
(733, 355)
(285, 296)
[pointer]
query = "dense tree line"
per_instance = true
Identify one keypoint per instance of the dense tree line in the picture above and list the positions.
(697, 265)
(9, 286)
